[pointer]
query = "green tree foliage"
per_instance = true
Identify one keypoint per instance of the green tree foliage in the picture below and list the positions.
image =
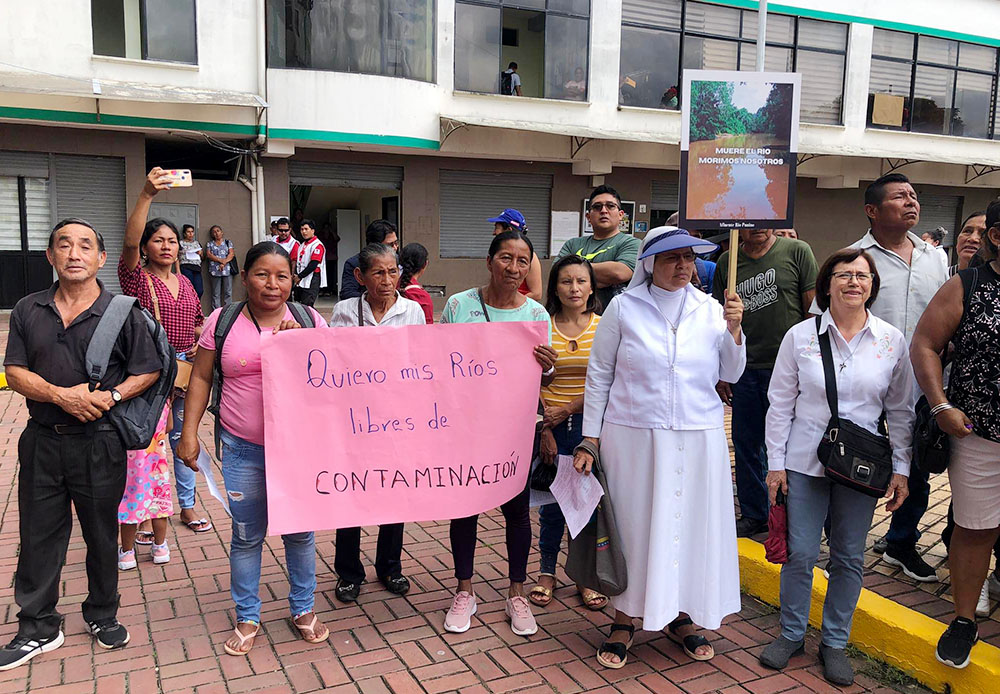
(713, 112)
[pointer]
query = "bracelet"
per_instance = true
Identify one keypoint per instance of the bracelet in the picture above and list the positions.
(551, 370)
(941, 407)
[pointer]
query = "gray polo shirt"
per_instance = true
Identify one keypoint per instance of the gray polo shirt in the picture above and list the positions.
(905, 288)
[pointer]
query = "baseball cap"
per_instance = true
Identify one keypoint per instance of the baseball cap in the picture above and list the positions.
(511, 218)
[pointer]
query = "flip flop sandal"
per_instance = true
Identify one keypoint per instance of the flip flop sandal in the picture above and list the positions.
(310, 628)
(202, 525)
(540, 595)
(144, 537)
(589, 597)
(690, 643)
(615, 648)
(243, 640)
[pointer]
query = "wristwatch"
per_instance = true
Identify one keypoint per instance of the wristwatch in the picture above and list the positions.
(116, 396)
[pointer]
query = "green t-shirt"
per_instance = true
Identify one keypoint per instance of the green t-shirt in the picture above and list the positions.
(771, 288)
(465, 307)
(622, 248)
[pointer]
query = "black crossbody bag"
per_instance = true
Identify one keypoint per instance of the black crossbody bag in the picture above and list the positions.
(852, 455)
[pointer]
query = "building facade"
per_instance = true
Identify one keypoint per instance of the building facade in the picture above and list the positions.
(351, 110)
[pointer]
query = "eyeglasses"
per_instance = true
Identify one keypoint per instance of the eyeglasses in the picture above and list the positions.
(598, 206)
(859, 276)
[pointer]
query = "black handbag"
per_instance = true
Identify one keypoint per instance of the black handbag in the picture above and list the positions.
(853, 456)
(931, 446)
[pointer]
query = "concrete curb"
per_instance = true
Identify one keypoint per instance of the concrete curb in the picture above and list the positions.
(3, 380)
(883, 629)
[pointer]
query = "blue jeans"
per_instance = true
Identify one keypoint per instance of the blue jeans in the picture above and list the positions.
(243, 473)
(810, 499)
(749, 410)
(552, 525)
(903, 533)
(184, 477)
(193, 273)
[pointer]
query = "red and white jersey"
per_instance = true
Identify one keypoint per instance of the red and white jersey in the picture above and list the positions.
(313, 249)
(291, 246)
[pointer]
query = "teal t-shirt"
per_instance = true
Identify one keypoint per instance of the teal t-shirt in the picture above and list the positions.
(622, 248)
(465, 307)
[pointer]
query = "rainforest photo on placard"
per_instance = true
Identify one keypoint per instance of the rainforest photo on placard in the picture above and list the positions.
(739, 155)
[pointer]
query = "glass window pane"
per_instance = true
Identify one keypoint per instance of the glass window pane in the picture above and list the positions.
(776, 59)
(713, 19)
(566, 58)
(377, 37)
(10, 215)
(780, 27)
(893, 44)
(972, 105)
(709, 54)
(818, 34)
(889, 79)
(477, 48)
(577, 7)
(524, 44)
(932, 107)
(977, 57)
(937, 51)
(649, 68)
(822, 86)
(168, 31)
(661, 13)
(527, 4)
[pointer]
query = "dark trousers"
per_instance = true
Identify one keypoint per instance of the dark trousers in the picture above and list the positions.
(89, 471)
(552, 524)
(307, 297)
(903, 533)
(347, 558)
(518, 526)
(193, 273)
(749, 411)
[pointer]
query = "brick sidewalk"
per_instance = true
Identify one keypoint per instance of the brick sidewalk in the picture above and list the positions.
(180, 613)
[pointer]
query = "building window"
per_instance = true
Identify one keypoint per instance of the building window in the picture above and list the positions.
(394, 38)
(931, 85)
(655, 49)
(549, 40)
(146, 29)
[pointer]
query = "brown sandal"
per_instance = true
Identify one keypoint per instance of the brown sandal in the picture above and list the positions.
(238, 651)
(308, 631)
(593, 600)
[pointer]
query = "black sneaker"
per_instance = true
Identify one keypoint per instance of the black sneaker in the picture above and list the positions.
(748, 527)
(880, 545)
(108, 633)
(22, 649)
(912, 564)
(397, 585)
(347, 592)
(954, 648)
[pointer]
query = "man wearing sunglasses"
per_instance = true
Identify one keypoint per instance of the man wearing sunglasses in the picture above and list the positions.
(611, 252)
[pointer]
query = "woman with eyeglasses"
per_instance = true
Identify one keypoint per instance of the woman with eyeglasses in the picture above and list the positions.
(873, 374)
(649, 414)
(611, 252)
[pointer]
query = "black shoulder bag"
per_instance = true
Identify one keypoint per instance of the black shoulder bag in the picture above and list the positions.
(852, 455)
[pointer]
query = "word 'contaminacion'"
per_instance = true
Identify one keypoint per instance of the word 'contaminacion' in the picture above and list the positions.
(375, 479)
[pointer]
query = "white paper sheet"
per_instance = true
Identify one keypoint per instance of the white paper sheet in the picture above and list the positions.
(576, 494)
(205, 465)
(565, 226)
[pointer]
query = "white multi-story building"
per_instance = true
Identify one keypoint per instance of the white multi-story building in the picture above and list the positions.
(351, 110)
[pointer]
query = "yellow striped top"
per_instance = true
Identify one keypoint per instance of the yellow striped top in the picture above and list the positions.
(571, 364)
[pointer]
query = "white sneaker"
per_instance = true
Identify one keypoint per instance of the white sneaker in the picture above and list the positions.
(160, 553)
(126, 560)
(983, 606)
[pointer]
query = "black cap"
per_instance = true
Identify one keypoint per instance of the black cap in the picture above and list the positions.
(993, 214)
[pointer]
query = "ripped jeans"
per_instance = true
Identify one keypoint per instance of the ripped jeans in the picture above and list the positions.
(184, 477)
(243, 472)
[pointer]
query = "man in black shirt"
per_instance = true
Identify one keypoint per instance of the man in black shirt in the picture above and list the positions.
(70, 452)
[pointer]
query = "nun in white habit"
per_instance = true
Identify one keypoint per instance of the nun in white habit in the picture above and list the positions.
(651, 409)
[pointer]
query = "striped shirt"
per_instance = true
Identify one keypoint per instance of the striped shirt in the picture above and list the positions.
(571, 364)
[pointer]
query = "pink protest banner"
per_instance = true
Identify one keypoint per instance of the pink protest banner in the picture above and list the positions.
(365, 426)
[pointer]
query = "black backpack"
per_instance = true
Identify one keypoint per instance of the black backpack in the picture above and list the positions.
(135, 419)
(507, 83)
(226, 321)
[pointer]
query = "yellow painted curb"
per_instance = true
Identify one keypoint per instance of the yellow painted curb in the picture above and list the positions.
(883, 629)
(3, 380)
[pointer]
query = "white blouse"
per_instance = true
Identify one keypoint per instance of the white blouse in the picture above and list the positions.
(873, 375)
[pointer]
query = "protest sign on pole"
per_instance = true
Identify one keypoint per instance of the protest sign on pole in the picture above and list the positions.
(374, 425)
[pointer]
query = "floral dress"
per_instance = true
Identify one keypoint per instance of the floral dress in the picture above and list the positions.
(148, 492)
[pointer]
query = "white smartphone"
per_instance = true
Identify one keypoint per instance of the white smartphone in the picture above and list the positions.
(179, 178)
